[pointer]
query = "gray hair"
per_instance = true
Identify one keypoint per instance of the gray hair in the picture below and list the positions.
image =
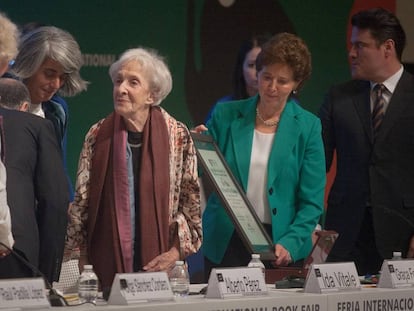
(9, 36)
(154, 68)
(13, 93)
(57, 44)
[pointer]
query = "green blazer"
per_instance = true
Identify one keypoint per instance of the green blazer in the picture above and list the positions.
(296, 175)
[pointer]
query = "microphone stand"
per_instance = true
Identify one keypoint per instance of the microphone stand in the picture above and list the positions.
(55, 299)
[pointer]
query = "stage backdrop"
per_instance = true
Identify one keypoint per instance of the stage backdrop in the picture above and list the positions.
(199, 40)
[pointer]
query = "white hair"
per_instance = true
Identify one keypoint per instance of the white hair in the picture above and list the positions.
(154, 69)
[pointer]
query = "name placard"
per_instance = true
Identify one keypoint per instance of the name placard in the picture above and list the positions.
(397, 273)
(129, 288)
(332, 277)
(23, 293)
(236, 282)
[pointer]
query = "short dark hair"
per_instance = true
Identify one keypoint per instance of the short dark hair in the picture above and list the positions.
(289, 49)
(383, 25)
(13, 93)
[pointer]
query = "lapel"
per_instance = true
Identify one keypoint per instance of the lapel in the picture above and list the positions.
(241, 131)
(361, 101)
(401, 98)
(285, 139)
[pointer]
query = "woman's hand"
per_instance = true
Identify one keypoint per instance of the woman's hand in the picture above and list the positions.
(199, 128)
(282, 256)
(164, 262)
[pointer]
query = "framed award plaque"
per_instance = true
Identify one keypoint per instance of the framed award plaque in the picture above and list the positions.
(233, 198)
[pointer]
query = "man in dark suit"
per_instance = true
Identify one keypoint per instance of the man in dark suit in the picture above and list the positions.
(37, 190)
(371, 203)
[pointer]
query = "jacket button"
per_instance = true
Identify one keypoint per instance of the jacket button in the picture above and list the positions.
(271, 191)
(274, 211)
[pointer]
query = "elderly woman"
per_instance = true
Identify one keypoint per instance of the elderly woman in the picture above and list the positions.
(137, 202)
(274, 148)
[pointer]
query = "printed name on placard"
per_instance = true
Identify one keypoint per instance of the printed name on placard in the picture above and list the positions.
(332, 277)
(397, 273)
(128, 288)
(20, 293)
(230, 282)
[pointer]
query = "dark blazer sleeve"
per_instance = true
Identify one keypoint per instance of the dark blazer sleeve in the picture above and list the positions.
(325, 114)
(52, 196)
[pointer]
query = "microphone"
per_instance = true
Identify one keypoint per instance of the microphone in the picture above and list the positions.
(55, 299)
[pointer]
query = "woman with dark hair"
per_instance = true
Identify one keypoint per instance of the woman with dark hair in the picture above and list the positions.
(244, 74)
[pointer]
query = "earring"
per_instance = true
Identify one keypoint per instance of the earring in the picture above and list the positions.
(294, 92)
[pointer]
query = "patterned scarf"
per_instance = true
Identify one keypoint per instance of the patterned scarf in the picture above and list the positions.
(110, 242)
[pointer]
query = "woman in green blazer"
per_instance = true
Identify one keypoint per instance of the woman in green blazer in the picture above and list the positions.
(274, 149)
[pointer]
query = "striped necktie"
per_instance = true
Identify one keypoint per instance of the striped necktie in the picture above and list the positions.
(378, 110)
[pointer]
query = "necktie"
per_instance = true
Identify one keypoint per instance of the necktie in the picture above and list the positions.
(378, 111)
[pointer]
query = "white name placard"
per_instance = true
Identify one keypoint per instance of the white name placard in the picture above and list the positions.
(23, 293)
(332, 277)
(129, 288)
(397, 273)
(236, 282)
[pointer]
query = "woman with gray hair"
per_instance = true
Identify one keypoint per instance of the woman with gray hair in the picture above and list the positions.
(49, 46)
(48, 62)
(137, 199)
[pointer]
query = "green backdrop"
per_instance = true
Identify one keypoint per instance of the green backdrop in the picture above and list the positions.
(104, 29)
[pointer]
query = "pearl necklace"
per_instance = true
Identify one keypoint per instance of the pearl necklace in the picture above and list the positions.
(266, 123)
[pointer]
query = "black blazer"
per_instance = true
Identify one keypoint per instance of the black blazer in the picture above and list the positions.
(379, 174)
(37, 190)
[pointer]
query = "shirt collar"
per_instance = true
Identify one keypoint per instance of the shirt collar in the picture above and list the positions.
(391, 82)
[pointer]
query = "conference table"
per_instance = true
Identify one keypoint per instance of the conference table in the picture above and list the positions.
(365, 299)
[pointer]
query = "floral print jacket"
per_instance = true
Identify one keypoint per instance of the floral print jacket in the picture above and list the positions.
(184, 194)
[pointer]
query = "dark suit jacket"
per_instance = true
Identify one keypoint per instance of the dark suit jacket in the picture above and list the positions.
(380, 173)
(37, 190)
